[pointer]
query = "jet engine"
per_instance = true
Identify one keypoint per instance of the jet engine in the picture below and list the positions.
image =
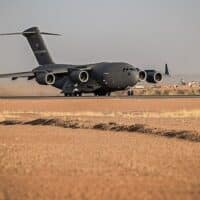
(142, 75)
(153, 76)
(80, 76)
(45, 78)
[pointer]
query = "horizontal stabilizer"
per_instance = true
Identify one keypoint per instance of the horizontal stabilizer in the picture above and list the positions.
(30, 33)
(45, 33)
(11, 34)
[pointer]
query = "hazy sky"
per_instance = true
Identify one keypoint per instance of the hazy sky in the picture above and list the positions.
(140, 32)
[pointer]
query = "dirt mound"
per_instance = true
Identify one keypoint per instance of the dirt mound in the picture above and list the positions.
(111, 126)
(10, 122)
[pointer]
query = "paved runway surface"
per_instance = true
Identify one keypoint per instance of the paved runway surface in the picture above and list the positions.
(94, 97)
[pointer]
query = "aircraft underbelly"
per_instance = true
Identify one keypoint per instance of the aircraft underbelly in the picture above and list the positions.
(67, 86)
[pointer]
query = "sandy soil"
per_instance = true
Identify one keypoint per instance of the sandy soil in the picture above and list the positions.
(45, 161)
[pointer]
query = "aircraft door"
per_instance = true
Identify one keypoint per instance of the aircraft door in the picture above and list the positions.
(108, 80)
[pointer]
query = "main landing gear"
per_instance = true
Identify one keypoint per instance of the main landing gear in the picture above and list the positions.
(102, 93)
(75, 94)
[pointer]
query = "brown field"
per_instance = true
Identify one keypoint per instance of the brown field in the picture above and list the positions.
(100, 149)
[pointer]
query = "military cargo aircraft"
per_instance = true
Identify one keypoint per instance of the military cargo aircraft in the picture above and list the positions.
(73, 80)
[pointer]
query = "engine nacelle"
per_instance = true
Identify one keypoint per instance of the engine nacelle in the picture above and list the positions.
(45, 78)
(154, 77)
(79, 76)
(142, 75)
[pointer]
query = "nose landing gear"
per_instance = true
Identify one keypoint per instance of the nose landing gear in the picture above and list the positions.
(130, 92)
(74, 93)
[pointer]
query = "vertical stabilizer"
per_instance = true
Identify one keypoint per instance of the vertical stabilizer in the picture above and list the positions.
(38, 46)
(167, 70)
(34, 37)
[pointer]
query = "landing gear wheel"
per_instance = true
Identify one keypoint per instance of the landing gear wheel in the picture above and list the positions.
(130, 93)
(77, 94)
(67, 95)
(100, 94)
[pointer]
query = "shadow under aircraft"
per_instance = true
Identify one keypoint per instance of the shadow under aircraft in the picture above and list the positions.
(73, 80)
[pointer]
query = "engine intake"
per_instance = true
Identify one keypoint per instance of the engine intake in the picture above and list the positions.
(80, 76)
(154, 77)
(158, 77)
(45, 78)
(142, 75)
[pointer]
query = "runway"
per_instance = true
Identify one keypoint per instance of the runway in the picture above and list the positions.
(104, 97)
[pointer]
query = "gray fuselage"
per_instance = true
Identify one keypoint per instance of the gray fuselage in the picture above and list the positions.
(103, 77)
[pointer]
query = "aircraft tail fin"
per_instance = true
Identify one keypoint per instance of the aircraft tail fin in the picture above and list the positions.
(34, 37)
(167, 70)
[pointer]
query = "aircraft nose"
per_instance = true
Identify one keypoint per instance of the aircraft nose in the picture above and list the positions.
(135, 76)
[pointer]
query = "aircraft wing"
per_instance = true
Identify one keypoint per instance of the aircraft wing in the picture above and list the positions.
(15, 76)
(61, 70)
(31, 74)
(86, 68)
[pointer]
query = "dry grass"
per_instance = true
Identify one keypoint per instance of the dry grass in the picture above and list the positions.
(176, 114)
(55, 163)
(85, 120)
(111, 126)
(168, 90)
(99, 149)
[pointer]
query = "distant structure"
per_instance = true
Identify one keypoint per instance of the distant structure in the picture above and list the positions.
(183, 82)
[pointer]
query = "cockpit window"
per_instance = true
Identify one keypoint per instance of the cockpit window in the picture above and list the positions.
(126, 69)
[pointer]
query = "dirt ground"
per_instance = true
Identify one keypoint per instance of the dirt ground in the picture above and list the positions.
(100, 149)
